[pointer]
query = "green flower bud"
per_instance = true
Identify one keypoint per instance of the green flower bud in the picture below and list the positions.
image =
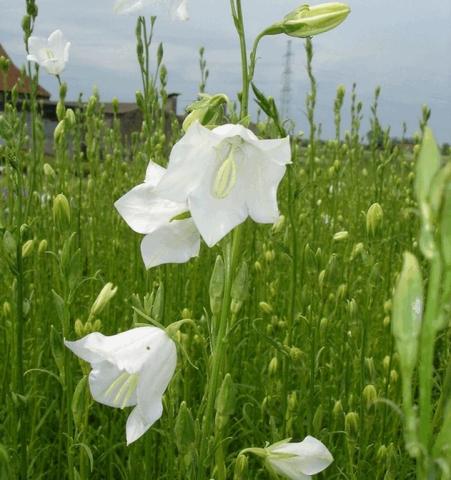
(307, 21)
(208, 110)
(58, 133)
(352, 424)
(102, 300)
(241, 466)
(370, 395)
(374, 218)
(338, 411)
(6, 309)
(61, 210)
(217, 285)
(273, 366)
(48, 171)
(341, 236)
(265, 307)
(184, 429)
(225, 402)
(240, 288)
(79, 328)
(27, 248)
(70, 117)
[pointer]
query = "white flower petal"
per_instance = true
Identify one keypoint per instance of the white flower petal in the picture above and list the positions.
(155, 377)
(88, 348)
(263, 178)
(145, 211)
(231, 130)
(286, 469)
(189, 157)
(137, 425)
(176, 242)
(122, 7)
(57, 43)
(154, 173)
(180, 10)
(216, 217)
(105, 382)
(309, 456)
(35, 46)
(277, 150)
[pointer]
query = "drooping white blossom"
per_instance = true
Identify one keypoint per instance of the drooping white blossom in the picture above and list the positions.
(130, 369)
(167, 239)
(298, 461)
(225, 175)
(51, 54)
(178, 8)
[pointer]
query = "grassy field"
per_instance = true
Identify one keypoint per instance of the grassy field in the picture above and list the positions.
(310, 351)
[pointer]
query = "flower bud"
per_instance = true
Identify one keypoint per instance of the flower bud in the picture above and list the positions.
(370, 395)
(61, 210)
(338, 411)
(307, 21)
(352, 423)
(273, 366)
(225, 402)
(79, 328)
(270, 255)
(318, 419)
(27, 248)
(70, 117)
(184, 429)
(279, 225)
(105, 295)
(208, 111)
(6, 309)
(265, 307)
(48, 171)
(58, 133)
(186, 313)
(258, 266)
(374, 218)
(60, 110)
(240, 288)
(217, 285)
(341, 236)
(241, 466)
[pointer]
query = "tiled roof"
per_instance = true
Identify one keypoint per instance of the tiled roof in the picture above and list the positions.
(13, 76)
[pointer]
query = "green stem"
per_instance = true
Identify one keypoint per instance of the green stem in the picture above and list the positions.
(239, 23)
(231, 255)
(427, 342)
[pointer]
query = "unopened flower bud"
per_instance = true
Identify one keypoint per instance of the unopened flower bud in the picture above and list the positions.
(186, 313)
(394, 377)
(48, 171)
(27, 248)
(273, 366)
(341, 236)
(307, 21)
(6, 309)
(58, 133)
(225, 402)
(217, 285)
(70, 117)
(279, 225)
(295, 354)
(102, 300)
(258, 266)
(338, 411)
(270, 255)
(352, 423)
(208, 111)
(79, 328)
(61, 210)
(241, 466)
(374, 218)
(265, 307)
(370, 395)
(184, 429)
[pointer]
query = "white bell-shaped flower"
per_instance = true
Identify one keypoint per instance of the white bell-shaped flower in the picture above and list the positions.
(179, 8)
(298, 461)
(167, 240)
(129, 369)
(51, 54)
(225, 175)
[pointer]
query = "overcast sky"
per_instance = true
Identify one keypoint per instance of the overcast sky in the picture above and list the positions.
(402, 45)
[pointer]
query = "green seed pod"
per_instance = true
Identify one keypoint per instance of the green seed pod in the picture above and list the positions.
(61, 210)
(374, 218)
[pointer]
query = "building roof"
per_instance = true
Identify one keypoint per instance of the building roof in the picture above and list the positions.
(13, 76)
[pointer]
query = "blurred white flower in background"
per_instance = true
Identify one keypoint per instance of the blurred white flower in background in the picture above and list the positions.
(167, 240)
(132, 368)
(298, 461)
(225, 175)
(179, 8)
(51, 54)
